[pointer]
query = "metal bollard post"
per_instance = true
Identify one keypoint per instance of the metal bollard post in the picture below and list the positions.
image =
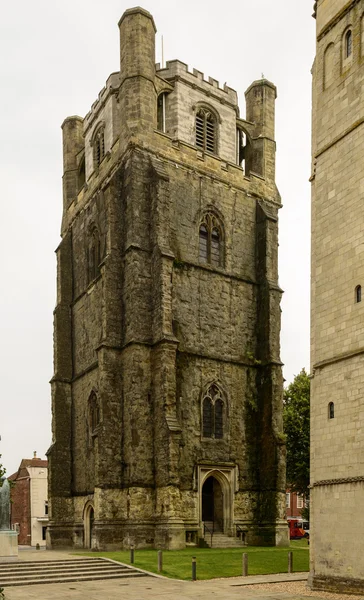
(245, 564)
(160, 561)
(132, 555)
(194, 572)
(290, 562)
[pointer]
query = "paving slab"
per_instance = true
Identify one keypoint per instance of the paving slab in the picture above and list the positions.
(275, 587)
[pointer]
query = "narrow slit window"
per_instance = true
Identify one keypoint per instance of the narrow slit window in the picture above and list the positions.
(358, 293)
(348, 44)
(161, 112)
(331, 410)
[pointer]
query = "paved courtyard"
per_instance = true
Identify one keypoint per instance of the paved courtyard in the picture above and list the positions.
(265, 587)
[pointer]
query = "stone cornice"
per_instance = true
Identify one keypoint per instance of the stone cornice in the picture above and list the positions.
(337, 481)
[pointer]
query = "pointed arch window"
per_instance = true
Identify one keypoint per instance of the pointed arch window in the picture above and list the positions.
(213, 413)
(98, 146)
(348, 43)
(211, 241)
(93, 255)
(206, 130)
(331, 409)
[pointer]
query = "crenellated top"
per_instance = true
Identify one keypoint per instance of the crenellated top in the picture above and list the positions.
(177, 69)
(111, 87)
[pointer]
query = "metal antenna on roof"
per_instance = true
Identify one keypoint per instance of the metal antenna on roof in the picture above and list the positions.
(162, 53)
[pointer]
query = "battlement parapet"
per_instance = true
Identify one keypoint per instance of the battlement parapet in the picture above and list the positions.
(175, 69)
(112, 85)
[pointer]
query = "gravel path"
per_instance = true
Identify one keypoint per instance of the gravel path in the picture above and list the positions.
(299, 588)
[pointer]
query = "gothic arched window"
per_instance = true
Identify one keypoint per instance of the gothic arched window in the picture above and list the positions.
(331, 410)
(348, 43)
(211, 241)
(94, 411)
(358, 293)
(213, 413)
(93, 255)
(206, 130)
(98, 146)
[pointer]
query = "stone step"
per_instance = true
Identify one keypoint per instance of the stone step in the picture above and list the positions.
(29, 573)
(220, 540)
(71, 579)
(70, 562)
(48, 565)
(47, 572)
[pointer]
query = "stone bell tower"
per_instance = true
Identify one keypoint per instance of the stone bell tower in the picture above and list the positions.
(167, 387)
(337, 340)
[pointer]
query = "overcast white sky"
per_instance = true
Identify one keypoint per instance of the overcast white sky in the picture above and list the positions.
(55, 58)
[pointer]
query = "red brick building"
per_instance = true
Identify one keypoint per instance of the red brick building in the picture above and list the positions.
(294, 504)
(29, 508)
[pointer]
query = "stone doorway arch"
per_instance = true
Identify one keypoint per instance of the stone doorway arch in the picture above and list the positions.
(88, 524)
(216, 492)
(213, 503)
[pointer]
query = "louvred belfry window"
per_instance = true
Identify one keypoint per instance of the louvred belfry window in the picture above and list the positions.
(206, 130)
(210, 241)
(99, 147)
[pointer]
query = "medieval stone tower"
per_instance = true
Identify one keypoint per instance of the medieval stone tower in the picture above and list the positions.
(167, 390)
(337, 350)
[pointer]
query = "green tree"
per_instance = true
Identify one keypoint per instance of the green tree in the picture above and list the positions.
(296, 419)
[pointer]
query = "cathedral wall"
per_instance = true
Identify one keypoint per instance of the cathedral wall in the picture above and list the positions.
(335, 440)
(327, 10)
(336, 523)
(338, 249)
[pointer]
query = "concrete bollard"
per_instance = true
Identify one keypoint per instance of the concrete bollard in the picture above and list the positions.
(245, 564)
(194, 570)
(132, 555)
(290, 562)
(160, 561)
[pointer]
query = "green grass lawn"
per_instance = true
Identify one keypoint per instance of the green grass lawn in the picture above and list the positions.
(217, 562)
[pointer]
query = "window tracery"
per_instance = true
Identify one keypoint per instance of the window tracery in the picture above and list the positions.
(213, 413)
(210, 241)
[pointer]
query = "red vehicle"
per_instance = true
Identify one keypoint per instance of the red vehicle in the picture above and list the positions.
(298, 529)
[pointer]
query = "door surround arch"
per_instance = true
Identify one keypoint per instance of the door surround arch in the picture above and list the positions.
(227, 478)
(88, 520)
